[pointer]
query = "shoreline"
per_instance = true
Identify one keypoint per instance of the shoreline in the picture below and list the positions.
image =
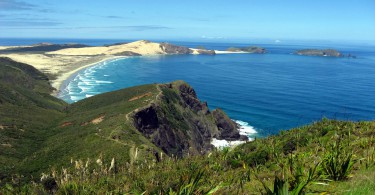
(62, 79)
(60, 82)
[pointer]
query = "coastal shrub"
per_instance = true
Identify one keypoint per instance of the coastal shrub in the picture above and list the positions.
(294, 178)
(260, 156)
(338, 161)
(50, 184)
(289, 146)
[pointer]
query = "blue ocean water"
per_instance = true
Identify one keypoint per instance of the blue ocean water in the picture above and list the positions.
(270, 92)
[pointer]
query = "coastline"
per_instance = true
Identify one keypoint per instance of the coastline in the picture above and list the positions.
(58, 83)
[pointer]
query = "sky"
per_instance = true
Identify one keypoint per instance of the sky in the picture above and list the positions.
(219, 20)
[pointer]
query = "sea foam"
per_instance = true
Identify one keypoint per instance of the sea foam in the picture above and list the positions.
(244, 129)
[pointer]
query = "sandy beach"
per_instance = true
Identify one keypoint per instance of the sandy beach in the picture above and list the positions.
(57, 83)
(58, 67)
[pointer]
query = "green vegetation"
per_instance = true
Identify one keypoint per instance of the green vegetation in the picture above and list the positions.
(92, 147)
(297, 171)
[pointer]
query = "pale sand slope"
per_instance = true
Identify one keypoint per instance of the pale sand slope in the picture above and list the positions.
(60, 66)
(141, 47)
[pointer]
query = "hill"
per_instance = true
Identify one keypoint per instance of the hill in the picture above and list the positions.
(27, 112)
(40, 48)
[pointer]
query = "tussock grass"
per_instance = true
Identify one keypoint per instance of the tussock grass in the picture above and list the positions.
(284, 170)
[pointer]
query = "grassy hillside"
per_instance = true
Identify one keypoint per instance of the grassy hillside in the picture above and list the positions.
(27, 112)
(94, 127)
(323, 158)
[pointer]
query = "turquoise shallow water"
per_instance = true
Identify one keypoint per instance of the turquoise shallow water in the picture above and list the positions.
(270, 92)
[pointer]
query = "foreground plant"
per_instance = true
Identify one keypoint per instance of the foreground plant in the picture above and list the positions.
(338, 161)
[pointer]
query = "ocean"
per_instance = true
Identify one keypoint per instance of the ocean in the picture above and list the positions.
(264, 92)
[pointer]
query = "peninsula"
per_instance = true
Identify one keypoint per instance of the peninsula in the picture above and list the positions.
(59, 61)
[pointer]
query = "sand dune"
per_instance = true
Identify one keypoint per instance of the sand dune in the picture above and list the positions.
(140, 47)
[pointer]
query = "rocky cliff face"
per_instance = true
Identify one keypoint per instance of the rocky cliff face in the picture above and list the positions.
(174, 49)
(179, 123)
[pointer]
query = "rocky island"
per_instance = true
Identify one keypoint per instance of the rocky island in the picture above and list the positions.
(319, 52)
(251, 49)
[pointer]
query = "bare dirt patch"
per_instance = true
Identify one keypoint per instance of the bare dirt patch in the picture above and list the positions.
(6, 145)
(98, 120)
(66, 124)
(140, 96)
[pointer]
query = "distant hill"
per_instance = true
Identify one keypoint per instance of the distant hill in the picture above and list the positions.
(40, 48)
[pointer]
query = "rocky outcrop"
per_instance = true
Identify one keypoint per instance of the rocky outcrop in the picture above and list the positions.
(174, 49)
(204, 51)
(191, 100)
(319, 52)
(251, 49)
(225, 126)
(178, 123)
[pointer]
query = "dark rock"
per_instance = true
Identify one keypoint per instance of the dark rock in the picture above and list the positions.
(228, 129)
(190, 98)
(179, 123)
(244, 138)
(206, 52)
(174, 49)
(146, 120)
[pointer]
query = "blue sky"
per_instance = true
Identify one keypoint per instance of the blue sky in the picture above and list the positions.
(190, 20)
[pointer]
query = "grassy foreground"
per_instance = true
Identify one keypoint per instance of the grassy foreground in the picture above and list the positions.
(323, 158)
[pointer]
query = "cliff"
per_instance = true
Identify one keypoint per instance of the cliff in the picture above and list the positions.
(179, 123)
